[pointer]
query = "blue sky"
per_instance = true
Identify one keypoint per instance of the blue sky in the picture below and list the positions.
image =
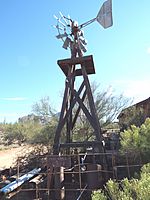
(29, 51)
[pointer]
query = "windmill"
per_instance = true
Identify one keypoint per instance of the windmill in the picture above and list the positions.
(78, 65)
(76, 101)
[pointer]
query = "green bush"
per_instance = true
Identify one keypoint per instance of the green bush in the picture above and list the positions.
(98, 195)
(133, 189)
(137, 139)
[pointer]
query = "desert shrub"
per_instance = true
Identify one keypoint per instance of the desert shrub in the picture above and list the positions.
(134, 189)
(137, 139)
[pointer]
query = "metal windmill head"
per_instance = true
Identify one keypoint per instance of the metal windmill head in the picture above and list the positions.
(71, 34)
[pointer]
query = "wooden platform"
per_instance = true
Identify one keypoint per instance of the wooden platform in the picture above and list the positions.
(87, 61)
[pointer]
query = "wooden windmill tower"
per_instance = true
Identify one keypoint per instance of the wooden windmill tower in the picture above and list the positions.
(74, 98)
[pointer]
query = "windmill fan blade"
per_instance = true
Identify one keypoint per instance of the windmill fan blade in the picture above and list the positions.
(83, 40)
(66, 43)
(61, 35)
(58, 27)
(82, 47)
(55, 17)
(69, 20)
(58, 19)
(63, 18)
(104, 16)
(61, 23)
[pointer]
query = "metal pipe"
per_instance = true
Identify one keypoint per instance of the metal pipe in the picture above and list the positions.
(15, 184)
(82, 192)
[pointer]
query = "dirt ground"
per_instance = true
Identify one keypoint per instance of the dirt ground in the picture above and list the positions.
(8, 157)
